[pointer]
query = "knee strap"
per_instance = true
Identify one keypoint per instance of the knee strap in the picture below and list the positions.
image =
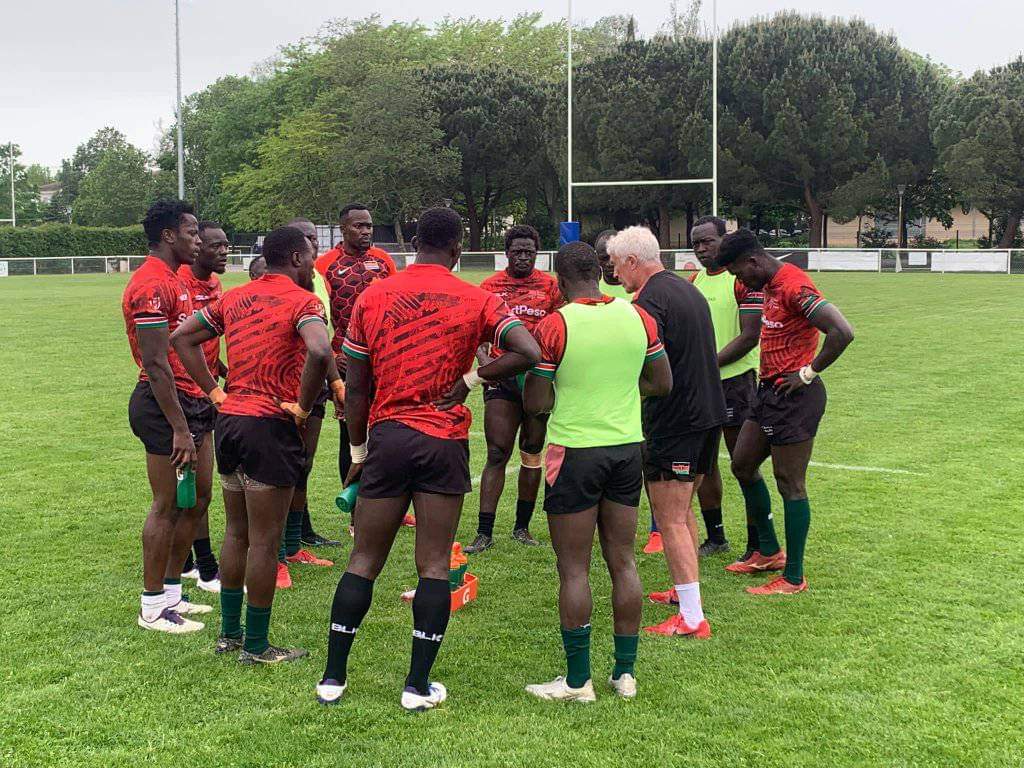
(531, 460)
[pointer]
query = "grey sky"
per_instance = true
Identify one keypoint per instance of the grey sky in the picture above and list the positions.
(70, 67)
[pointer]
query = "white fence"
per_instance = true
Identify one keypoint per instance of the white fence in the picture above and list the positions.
(817, 260)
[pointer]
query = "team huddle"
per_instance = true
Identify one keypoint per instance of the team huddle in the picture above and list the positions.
(617, 376)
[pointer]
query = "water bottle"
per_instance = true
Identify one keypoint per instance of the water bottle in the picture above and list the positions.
(346, 500)
(186, 487)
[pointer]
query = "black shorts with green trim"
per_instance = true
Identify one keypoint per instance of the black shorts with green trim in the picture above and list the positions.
(579, 478)
(149, 424)
(740, 393)
(792, 418)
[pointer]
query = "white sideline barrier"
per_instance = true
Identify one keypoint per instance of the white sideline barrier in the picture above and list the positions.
(686, 262)
(970, 261)
(846, 261)
(3, 269)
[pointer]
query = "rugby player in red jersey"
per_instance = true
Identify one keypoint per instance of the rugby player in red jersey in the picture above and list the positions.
(349, 269)
(278, 355)
(531, 295)
(203, 284)
(167, 411)
(410, 348)
(789, 404)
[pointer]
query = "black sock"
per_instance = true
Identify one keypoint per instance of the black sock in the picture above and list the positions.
(189, 563)
(351, 602)
(524, 512)
(713, 523)
(205, 559)
(753, 543)
(307, 524)
(486, 523)
(431, 609)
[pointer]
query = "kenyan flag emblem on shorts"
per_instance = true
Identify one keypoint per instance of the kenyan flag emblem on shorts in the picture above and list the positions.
(681, 468)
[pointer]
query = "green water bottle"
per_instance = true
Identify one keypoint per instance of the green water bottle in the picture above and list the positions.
(346, 500)
(186, 487)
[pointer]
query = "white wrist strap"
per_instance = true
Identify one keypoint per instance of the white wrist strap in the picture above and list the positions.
(472, 379)
(358, 453)
(807, 374)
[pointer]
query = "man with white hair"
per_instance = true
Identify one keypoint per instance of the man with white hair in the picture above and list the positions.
(682, 429)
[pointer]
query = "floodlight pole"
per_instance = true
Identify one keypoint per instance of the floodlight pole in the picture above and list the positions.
(568, 101)
(714, 108)
(10, 157)
(177, 61)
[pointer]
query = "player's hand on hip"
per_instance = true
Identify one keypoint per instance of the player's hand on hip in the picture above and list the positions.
(354, 473)
(295, 411)
(455, 396)
(183, 449)
(789, 383)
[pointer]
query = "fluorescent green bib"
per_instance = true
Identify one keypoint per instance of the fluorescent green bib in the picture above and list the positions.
(597, 396)
(720, 292)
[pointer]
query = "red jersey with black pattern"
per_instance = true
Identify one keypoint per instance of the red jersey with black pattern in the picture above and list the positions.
(203, 292)
(420, 330)
(260, 322)
(155, 297)
(530, 298)
(346, 277)
(788, 340)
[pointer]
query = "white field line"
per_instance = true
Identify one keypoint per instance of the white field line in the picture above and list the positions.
(851, 467)
(508, 471)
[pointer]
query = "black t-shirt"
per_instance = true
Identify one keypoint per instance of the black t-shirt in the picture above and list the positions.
(684, 326)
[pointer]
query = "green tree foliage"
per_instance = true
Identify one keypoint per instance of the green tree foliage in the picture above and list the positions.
(64, 240)
(978, 128)
(811, 104)
(116, 192)
(27, 207)
(87, 156)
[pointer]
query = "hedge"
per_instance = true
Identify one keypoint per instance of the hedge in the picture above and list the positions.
(71, 240)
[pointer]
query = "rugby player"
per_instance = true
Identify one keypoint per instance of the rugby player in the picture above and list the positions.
(789, 404)
(601, 354)
(203, 284)
(348, 269)
(682, 429)
(257, 267)
(296, 523)
(278, 354)
(736, 316)
(410, 337)
(167, 411)
(531, 295)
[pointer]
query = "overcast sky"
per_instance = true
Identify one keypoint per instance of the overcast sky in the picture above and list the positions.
(68, 68)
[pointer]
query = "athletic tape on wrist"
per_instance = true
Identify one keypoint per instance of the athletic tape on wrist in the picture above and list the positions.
(807, 374)
(358, 453)
(472, 379)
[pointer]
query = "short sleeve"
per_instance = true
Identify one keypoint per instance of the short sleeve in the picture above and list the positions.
(151, 306)
(212, 316)
(748, 300)
(309, 310)
(355, 344)
(497, 321)
(802, 297)
(655, 348)
(651, 308)
(550, 335)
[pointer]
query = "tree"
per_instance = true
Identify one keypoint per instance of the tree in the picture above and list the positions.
(810, 105)
(117, 191)
(978, 128)
(491, 117)
(27, 207)
(74, 170)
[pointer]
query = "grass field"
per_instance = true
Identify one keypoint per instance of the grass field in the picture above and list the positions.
(908, 650)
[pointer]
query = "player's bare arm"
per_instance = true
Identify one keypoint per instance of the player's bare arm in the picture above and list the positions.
(187, 341)
(539, 395)
(358, 385)
(153, 346)
(319, 359)
(750, 334)
(838, 335)
(655, 377)
(521, 354)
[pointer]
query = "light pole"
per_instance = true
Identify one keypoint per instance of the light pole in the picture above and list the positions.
(177, 61)
(901, 188)
(10, 157)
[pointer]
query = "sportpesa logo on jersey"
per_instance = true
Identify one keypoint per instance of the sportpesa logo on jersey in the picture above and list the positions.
(522, 309)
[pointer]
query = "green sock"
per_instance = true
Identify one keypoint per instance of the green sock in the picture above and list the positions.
(625, 655)
(257, 629)
(577, 655)
(798, 521)
(759, 506)
(293, 532)
(231, 612)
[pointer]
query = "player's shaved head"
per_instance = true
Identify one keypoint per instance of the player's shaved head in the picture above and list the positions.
(576, 262)
(439, 228)
(257, 267)
(718, 223)
(601, 241)
(280, 244)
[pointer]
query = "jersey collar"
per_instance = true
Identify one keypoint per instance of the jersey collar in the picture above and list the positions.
(594, 302)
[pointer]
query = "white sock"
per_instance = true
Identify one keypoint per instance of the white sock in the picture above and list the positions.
(689, 603)
(173, 592)
(153, 606)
